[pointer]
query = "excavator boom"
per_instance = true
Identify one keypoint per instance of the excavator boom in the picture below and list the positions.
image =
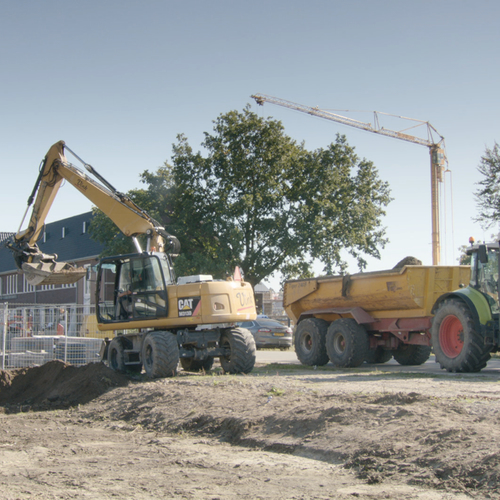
(42, 269)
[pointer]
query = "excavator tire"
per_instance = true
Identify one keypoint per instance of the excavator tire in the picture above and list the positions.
(457, 345)
(412, 355)
(160, 354)
(196, 365)
(116, 356)
(241, 345)
(347, 343)
(310, 338)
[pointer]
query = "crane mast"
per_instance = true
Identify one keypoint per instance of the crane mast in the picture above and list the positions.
(436, 151)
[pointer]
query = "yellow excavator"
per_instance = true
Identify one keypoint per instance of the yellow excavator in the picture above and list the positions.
(164, 319)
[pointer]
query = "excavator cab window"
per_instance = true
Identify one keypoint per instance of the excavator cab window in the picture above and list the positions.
(133, 287)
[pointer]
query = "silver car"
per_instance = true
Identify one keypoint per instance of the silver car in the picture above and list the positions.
(269, 333)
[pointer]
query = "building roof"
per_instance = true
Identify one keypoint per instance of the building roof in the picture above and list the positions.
(75, 245)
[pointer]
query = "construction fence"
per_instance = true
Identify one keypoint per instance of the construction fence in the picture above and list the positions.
(31, 335)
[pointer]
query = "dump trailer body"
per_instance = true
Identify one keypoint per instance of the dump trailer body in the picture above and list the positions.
(408, 292)
(369, 316)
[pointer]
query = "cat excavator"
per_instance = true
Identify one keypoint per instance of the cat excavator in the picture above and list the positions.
(161, 320)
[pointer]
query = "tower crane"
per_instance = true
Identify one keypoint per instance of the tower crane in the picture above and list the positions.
(435, 145)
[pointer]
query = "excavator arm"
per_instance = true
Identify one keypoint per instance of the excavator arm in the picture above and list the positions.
(41, 268)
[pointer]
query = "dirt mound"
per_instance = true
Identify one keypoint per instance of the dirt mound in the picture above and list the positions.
(55, 385)
(408, 261)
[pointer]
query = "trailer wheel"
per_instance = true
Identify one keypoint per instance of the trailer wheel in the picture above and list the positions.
(457, 345)
(116, 356)
(310, 345)
(242, 351)
(347, 343)
(411, 355)
(196, 365)
(378, 355)
(160, 354)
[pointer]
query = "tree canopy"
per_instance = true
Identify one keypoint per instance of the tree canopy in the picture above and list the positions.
(258, 199)
(488, 194)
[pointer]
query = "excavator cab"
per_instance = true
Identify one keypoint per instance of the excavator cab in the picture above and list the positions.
(133, 287)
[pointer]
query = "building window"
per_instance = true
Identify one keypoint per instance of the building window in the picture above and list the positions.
(27, 288)
(84, 229)
(11, 284)
(63, 233)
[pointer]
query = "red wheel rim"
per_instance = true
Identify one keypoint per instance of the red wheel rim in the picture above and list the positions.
(451, 336)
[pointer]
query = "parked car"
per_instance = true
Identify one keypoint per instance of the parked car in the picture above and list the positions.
(269, 333)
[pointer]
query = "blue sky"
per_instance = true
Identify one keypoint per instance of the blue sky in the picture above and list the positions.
(119, 79)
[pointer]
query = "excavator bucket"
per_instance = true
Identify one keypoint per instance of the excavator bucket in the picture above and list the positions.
(52, 273)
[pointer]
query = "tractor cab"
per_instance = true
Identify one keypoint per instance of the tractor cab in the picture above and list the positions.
(485, 271)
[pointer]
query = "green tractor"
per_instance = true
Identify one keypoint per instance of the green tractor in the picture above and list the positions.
(465, 328)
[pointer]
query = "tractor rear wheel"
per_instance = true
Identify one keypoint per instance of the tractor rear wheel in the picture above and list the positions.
(457, 345)
(310, 345)
(347, 343)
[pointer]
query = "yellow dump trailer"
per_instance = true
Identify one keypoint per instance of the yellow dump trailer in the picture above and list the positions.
(369, 316)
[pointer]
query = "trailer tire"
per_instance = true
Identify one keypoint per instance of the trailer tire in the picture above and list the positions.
(310, 337)
(241, 344)
(378, 356)
(116, 355)
(347, 343)
(197, 365)
(160, 354)
(457, 345)
(412, 355)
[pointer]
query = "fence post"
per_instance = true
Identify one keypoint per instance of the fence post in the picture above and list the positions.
(4, 339)
(65, 312)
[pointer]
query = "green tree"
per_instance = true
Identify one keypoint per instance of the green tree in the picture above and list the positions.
(260, 200)
(488, 194)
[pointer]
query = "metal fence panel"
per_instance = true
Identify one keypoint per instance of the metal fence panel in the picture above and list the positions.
(31, 335)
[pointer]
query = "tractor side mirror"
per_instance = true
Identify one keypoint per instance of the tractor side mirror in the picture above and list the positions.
(482, 254)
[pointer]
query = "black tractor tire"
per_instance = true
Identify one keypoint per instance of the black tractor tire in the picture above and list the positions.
(310, 337)
(412, 355)
(457, 345)
(160, 354)
(242, 355)
(196, 365)
(378, 356)
(116, 356)
(347, 343)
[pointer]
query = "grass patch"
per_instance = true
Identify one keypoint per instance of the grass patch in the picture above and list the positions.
(275, 391)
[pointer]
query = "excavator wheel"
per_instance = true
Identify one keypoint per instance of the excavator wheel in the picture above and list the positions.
(242, 351)
(196, 365)
(116, 357)
(160, 354)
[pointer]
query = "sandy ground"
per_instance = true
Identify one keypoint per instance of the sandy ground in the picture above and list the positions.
(278, 433)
